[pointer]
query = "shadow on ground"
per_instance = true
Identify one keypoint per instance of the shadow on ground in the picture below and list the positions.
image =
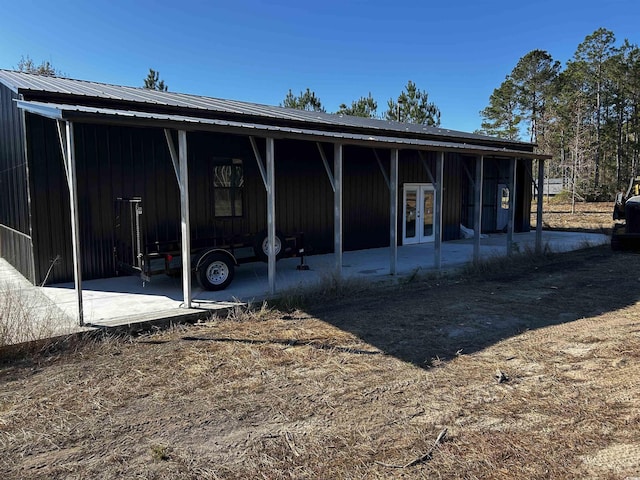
(436, 319)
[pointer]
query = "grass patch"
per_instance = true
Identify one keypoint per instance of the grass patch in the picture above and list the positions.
(332, 286)
(160, 453)
(523, 259)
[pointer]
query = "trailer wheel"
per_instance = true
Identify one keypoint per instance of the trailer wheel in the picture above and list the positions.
(261, 246)
(215, 272)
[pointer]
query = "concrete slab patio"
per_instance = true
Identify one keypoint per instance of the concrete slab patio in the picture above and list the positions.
(30, 313)
(126, 300)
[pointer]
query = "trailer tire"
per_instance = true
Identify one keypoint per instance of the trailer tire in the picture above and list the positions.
(261, 246)
(215, 272)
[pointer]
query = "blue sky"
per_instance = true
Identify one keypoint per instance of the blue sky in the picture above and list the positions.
(458, 51)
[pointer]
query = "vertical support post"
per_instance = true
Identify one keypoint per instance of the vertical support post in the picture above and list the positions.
(512, 205)
(477, 222)
(271, 215)
(393, 212)
(337, 206)
(184, 213)
(437, 227)
(70, 157)
(540, 200)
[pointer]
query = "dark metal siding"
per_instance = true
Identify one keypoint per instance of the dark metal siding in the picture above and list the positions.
(524, 197)
(111, 162)
(49, 201)
(126, 162)
(455, 182)
(15, 240)
(495, 173)
(304, 198)
(365, 203)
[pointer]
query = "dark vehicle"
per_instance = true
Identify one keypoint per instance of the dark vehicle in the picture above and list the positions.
(213, 259)
(626, 213)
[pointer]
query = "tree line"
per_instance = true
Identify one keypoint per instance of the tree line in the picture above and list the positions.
(586, 115)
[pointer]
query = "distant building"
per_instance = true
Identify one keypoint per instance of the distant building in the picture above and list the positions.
(552, 186)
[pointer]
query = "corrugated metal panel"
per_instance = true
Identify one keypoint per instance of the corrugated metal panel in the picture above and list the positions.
(15, 241)
(524, 197)
(366, 200)
(24, 82)
(111, 162)
(454, 184)
(304, 198)
(496, 173)
(493, 175)
(49, 202)
(17, 249)
(13, 172)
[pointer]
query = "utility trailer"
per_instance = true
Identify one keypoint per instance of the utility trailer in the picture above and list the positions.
(213, 260)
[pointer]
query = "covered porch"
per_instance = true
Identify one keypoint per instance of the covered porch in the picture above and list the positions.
(127, 300)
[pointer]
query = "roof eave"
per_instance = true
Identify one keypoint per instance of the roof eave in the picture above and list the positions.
(145, 119)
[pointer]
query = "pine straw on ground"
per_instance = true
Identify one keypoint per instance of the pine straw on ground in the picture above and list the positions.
(355, 388)
(588, 216)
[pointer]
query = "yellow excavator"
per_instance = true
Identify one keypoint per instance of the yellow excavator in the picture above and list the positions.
(626, 214)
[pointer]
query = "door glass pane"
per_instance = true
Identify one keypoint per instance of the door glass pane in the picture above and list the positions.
(410, 213)
(427, 217)
(505, 199)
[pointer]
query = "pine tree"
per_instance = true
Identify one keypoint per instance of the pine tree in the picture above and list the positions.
(533, 79)
(413, 106)
(590, 57)
(307, 100)
(153, 82)
(500, 118)
(26, 64)
(363, 107)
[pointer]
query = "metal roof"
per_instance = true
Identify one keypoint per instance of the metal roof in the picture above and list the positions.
(26, 84)
(163, 120)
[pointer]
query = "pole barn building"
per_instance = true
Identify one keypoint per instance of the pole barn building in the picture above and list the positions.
(95, 176)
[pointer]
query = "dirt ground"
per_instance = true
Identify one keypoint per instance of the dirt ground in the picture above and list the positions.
(524, 368)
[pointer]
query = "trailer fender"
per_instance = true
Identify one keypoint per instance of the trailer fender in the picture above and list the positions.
(200, 258)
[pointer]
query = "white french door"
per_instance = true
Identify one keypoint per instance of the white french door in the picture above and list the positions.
(417, 213)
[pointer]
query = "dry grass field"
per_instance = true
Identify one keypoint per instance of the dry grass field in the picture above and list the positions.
(595, 216)
(523, 368)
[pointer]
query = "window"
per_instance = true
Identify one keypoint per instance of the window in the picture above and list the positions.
(228, 185)
(504, 203)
